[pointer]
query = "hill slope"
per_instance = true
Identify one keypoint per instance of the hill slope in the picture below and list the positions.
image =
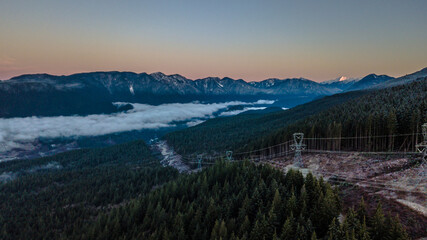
(369, 81)
(404, 79)
(51, 197)
(241, 201)
(215, 136)
(351, 112)
(392, 111)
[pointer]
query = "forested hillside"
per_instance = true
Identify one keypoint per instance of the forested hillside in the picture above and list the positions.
(52, 197)
(242, 201)
(398, 111)
(123, 192)
(120, 191)
(231, 133)
(391, 111)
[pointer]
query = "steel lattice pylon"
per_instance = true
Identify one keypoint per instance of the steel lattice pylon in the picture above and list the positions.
(229, 155)
(298, 146)
(199, 161)
(422, 147)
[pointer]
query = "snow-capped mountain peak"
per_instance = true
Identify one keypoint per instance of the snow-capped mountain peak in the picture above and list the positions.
(342, 79)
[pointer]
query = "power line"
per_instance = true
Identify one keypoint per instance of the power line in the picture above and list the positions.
(363, 137)
(329, 138)
(351, 152)
(265, 148)
(258, 155)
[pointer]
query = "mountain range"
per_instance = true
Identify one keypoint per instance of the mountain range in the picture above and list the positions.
(95, 92)
(129, 83)
(342, 83)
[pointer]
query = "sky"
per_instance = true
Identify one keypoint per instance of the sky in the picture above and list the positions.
(252, 40)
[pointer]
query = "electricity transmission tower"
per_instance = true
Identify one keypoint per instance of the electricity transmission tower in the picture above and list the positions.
(298, 146)
(199, 161)
(422, 147)
(229, 155)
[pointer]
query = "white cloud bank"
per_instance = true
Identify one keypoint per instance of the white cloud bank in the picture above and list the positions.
(235, 112)
(16, 131)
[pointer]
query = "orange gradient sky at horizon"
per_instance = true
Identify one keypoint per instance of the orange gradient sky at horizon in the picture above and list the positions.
(250, 40)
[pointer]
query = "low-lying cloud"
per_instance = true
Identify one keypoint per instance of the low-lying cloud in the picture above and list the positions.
(264, 102)
(235, 112)
(16, 131)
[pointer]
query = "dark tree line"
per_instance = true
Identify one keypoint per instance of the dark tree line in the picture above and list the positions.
(242, 201)
(395, 113)
(120, 191)
(54, 203)
(217, 135)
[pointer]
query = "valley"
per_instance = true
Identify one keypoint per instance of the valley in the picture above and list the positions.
(213, 120)
(169, 157)
(354, 148)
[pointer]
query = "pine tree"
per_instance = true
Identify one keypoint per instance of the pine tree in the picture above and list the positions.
(243, 211)
(301, 233)
(310, 187)
(257, 231)
(362, 212)
(334, 231)
(223, 230)
(352, 221)
(198, 234)
(275, 237)
(353, 235)
(396, 230)
(276, 205)
(272, 222)
(288, 228)
(256, 203)
(275, 212)
(313, 236)
(303, 199)
(378, 224)
(215, 231)
(166, 235)
(245, 227)
(291, 204)
(211, 213)
(363, 233)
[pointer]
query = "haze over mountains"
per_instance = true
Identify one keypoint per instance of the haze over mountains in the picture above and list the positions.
(95, 92)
